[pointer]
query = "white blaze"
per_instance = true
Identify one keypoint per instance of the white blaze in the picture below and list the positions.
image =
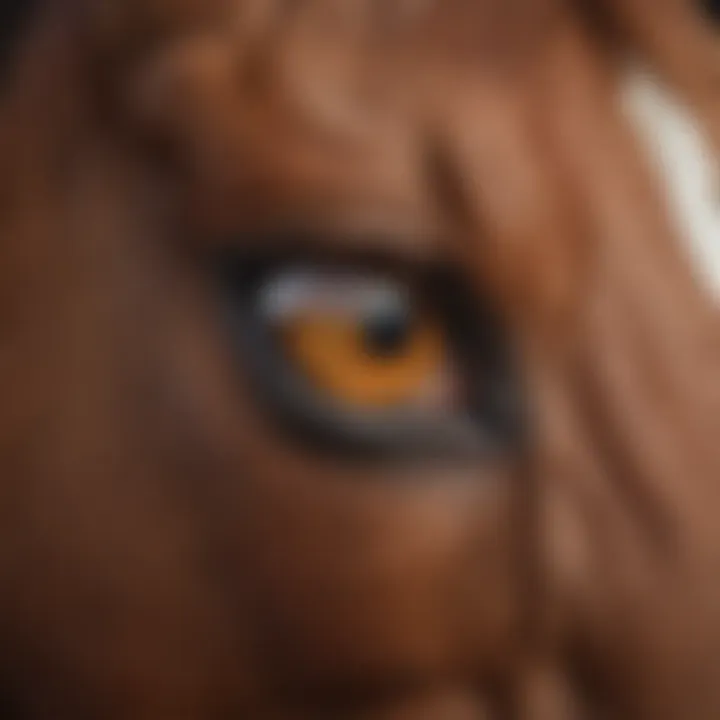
(688, 167)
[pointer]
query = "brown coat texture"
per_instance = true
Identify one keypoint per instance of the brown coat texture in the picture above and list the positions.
(166, 551)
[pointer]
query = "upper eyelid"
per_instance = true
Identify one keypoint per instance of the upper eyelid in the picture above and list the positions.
(393, 256)
(412, 241)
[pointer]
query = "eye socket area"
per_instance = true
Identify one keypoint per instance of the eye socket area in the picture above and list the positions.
(372, 359)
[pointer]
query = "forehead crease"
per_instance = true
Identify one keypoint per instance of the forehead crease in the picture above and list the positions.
(303, 123)
(325, 126)
(446, 28)
(431, 21)
(312, 62)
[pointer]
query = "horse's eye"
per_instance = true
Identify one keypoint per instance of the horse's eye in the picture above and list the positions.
(364, 340)
(372, 359)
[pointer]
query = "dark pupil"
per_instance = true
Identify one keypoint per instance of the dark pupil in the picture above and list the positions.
(385, 332)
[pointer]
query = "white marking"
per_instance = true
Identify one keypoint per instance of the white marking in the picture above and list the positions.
(690, 170)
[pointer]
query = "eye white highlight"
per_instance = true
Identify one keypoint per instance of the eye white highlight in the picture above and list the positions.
(342, 294)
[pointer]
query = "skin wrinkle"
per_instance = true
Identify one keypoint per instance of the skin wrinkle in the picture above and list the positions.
(686, 346)
(167, 552)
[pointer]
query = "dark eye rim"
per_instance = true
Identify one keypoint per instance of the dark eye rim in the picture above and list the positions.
(493, 423)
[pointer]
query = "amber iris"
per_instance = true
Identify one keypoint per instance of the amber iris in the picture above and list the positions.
(377, 361)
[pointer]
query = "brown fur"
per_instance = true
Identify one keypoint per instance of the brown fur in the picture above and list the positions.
(165, 553)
